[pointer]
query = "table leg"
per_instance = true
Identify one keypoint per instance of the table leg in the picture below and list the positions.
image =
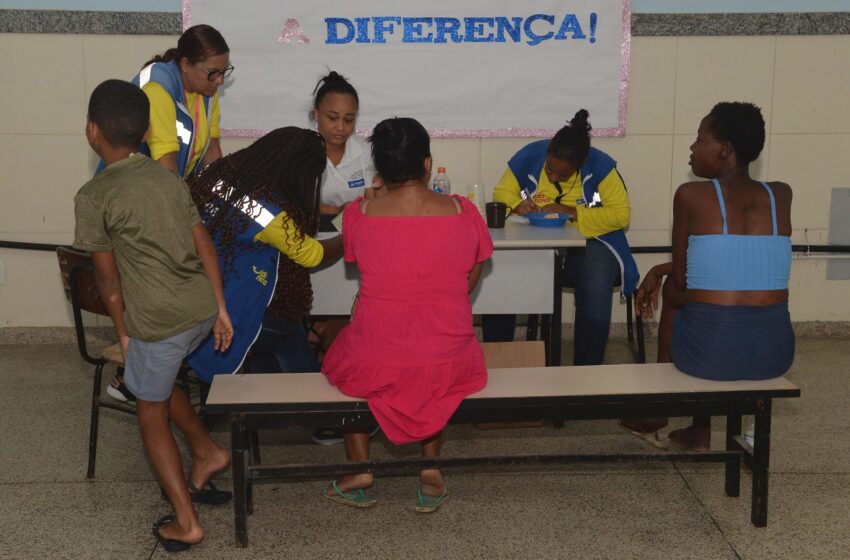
(761, 464)
(553, 357)
(238, 443)
(733, 469)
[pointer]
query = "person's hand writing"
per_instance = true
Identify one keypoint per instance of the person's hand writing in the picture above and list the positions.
(555, 207)
(525, 207)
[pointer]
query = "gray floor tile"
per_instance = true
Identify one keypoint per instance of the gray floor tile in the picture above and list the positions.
(807, 516)
(643, 510)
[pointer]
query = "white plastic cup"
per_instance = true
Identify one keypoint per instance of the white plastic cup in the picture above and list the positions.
(475, 193)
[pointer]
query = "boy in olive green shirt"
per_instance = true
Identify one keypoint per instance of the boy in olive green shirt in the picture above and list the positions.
(157, 272)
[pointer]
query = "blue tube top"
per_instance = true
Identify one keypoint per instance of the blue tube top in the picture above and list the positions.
(739, 262)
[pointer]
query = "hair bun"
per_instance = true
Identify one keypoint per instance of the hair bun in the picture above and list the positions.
(579, 121)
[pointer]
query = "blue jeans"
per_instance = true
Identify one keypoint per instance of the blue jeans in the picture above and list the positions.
(592, 274)
(282, 347)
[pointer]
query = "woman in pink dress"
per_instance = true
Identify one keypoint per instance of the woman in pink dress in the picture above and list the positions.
(410, 349)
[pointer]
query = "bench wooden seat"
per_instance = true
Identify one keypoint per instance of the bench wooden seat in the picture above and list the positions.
(514, 394)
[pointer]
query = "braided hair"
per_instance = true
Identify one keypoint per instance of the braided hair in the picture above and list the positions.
(285, 168)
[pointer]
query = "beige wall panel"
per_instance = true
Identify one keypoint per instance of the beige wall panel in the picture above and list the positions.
(33, 295)
(713, 69)
(42, 87)
(230, 145)
(814, 298)
(652, 87)
(644, 163)
(41, 175)
(119, 56)
(495, 153)
(812, 85)
(462, 159)
(813, 165)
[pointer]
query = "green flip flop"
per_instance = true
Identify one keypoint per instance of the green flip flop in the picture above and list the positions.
(355, 498)
(428, 504)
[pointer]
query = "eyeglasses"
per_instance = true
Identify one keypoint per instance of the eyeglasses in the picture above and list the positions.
(213, 75)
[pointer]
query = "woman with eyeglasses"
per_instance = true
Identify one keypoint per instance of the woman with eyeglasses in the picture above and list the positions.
(182, 86)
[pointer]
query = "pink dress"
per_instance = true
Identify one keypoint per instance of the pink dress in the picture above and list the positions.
(410, 349)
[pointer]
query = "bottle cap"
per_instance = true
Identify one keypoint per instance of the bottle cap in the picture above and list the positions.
(441, 170)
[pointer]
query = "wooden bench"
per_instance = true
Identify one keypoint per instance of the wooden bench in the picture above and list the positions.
(514, 394)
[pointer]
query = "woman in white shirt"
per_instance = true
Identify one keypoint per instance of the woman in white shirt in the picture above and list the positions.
(350, 171)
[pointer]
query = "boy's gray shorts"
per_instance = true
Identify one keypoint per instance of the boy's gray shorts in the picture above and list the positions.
(150, 368)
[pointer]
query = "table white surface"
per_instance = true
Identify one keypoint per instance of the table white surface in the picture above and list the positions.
(517, 279)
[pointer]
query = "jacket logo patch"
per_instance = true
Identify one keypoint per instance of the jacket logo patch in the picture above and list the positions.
(262, 276)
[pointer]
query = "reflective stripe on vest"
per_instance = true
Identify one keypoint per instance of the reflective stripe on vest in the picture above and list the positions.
(248, 206)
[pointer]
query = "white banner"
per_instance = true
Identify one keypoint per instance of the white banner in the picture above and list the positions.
(469, 68)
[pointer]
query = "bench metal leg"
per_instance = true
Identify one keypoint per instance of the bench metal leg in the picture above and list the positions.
(733, 469)
(95, 419)
(761, 464)
(238, 443)
(253, 438)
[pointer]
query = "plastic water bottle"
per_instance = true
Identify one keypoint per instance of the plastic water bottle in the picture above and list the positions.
(441, 183)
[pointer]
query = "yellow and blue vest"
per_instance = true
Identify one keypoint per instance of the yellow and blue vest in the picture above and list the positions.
(249, 280)
(527, 164)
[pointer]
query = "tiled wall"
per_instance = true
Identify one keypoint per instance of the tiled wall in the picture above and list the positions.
(799, 81)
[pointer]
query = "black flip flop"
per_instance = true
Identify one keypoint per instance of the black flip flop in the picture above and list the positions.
(170, 545)
(209, 494)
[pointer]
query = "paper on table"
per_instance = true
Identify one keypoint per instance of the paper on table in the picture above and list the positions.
(517, 219)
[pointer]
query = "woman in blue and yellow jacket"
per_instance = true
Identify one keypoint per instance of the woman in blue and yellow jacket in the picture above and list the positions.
(565, 174)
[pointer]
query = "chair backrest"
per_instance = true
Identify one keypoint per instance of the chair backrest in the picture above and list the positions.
(78, 279)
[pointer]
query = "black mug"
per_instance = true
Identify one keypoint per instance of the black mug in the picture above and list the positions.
(496, 214)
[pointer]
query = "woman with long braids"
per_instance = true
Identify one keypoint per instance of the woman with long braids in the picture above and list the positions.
(261, 207)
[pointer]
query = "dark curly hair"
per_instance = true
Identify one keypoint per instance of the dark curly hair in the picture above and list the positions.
(740, 124)
(285, 168)
(400, 146)
(121, 111)
(572, 142)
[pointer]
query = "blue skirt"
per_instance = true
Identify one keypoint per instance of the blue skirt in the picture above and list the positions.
(729, 343)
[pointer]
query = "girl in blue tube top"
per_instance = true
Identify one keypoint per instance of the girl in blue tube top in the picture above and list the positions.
(725, 300)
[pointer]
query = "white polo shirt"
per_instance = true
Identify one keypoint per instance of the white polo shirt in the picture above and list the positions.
(346, 181)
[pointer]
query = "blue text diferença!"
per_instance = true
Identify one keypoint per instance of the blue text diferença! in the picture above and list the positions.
(533, 29)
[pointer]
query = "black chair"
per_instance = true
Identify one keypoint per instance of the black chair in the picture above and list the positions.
(80, 289)
(78, 279)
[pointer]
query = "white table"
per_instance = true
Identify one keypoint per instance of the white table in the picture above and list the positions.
(523, 276)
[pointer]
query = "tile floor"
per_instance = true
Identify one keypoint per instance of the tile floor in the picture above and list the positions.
(49, 510)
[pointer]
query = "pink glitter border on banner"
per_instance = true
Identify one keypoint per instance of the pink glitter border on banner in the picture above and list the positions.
(620, 131)
(187, 14)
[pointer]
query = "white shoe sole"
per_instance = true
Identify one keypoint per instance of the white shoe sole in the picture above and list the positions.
(118, 395)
